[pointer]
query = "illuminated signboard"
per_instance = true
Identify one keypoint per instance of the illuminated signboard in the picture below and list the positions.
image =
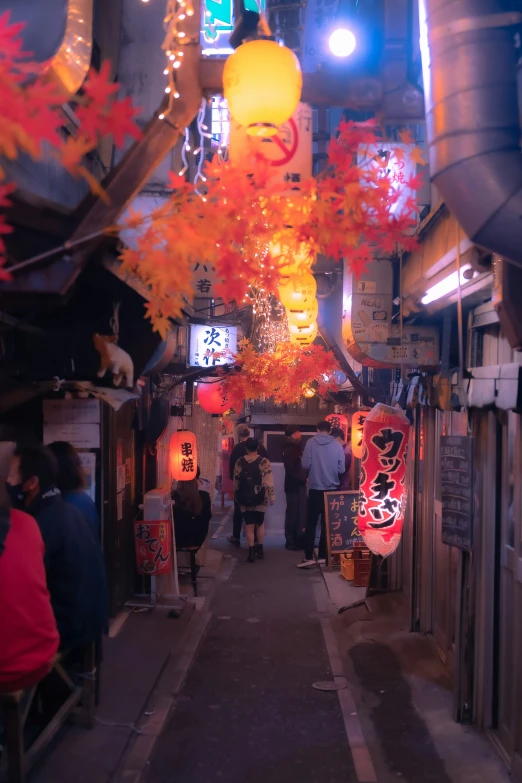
(218, 22)
(211, 346)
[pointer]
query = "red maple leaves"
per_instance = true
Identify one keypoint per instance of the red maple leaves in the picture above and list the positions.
(31, 115)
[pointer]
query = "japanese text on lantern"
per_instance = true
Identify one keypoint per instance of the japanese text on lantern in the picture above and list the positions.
(211, 346)
(358, 420)
(153, 547)
(384, 503)
(341, 513)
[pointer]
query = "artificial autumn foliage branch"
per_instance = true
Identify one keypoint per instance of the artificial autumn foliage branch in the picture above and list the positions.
(249, 227)
(281, 375)
(31, 117)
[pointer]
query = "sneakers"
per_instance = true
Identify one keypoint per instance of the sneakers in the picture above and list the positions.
(321, 561)
(306, 563)
(233, 541)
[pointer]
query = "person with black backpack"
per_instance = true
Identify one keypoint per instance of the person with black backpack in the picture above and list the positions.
(253, 491)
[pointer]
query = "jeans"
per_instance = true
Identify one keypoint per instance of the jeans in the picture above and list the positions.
(295, 517)
(315, 510)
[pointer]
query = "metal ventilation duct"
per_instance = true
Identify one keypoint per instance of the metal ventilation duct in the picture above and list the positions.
(472, 120)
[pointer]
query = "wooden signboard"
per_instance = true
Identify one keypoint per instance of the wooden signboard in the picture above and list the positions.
(341, 510)
(456, 473)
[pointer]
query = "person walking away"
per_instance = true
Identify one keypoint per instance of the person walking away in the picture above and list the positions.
(240, 450)
(323, 458)
(74, 564)
(295, 489)
(29, 634)
(71, 482)
(344, 478)
(254, 490)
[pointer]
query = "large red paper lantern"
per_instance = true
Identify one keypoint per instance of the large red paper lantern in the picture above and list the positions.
(213, 397)
(358, 420)
(382, 500)
(183, 455)
(338, 420)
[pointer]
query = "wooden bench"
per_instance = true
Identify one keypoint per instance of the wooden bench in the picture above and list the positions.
(78, 707)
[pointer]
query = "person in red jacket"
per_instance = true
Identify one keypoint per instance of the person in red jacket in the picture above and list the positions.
(28, 634)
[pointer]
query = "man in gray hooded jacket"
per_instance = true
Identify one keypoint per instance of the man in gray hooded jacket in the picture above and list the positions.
(323, 458)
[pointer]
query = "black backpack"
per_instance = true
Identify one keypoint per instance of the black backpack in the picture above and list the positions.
(250, 491)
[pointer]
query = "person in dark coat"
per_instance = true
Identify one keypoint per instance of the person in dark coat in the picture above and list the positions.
(240, 450)
(192, 514)
(73, 560)
(344, 478)
(71, 482)
(295, 489)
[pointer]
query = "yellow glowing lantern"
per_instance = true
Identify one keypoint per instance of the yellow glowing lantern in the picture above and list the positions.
(297, 292)
(303, 335)
(290, 260)
(262, 83)
(304, 317)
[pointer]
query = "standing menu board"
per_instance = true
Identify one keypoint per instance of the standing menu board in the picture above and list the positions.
(341, 510)
(456, 454)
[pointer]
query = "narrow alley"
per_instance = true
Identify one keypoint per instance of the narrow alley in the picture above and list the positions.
(249, 709)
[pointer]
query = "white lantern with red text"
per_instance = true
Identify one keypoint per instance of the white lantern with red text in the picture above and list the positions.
(183, 455)
(382, 498)
(358, 420)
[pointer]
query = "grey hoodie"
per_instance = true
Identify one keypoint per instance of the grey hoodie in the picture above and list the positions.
(323, 456)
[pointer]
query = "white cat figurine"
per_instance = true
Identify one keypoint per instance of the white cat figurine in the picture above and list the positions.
(114, 359)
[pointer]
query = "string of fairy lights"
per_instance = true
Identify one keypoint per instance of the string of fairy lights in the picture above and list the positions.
(270, 327)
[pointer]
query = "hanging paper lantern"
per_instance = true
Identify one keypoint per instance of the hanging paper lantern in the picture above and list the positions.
(358, 419)
(213, 397)
(292, 260)
(303, 335)
(262, 84)
(298, 291)
(183, 455)
(382, 499)
(339, 420)
(304, 317)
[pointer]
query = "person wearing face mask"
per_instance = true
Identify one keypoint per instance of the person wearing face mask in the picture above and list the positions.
(73, 561)
(295, 489)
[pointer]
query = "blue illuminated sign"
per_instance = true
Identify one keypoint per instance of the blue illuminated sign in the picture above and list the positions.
(218, 21)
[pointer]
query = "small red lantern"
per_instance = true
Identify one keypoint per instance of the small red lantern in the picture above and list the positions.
(338, 420)
(183, 455)
(213, 397)
(382, 499)
(358, 420)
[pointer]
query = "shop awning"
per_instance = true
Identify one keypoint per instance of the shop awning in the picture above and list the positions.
(495, 385)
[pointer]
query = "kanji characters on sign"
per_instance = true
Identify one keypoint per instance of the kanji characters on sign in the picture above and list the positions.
(153, 547)
(383, 473)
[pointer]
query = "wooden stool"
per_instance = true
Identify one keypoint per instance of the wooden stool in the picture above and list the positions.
(78, 707)
(192, 551)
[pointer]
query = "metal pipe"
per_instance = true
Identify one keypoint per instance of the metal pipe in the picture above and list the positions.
(472, 122)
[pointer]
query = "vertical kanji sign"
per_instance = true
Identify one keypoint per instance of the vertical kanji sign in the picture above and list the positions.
(382, 500)
(340, 514)
(153, 543)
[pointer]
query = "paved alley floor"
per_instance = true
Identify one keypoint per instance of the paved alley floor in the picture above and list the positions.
(248, 711)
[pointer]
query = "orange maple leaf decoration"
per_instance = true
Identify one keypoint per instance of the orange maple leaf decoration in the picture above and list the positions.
(31, 114)
(347, 213)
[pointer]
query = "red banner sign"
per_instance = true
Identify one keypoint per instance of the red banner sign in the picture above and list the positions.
(382, 500)
(153, 542)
